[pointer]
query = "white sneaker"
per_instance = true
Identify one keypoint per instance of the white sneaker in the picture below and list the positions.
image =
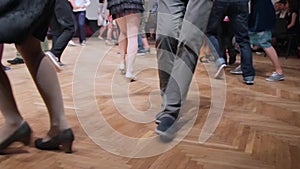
(83, 43)
(100, 38)
(122, 68)
(54, 61)
(218, 74)
(237, 71)
(71, 43)
(130, 77)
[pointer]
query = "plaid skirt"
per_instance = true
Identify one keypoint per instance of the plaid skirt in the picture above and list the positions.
(120, 8)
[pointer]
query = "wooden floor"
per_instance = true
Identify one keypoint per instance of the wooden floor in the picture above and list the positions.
(259, 127)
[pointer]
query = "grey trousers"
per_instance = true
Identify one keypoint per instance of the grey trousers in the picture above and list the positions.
(181, 26)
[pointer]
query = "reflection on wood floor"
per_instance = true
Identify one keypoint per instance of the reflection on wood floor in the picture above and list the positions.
(259, 127)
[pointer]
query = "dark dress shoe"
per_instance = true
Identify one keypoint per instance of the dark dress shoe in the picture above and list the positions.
(16, 61)
(62, 141)
(22, 134)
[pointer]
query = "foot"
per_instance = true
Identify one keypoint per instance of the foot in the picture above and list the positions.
(147, 50)
(22, 133)
(165, 127)
(275, 77)
(83, 43)
(218, 74)
(157, 117)
(130, 77)
(249, 80)
(6, 68)
(16, 61)
(54, 61)
(237, 71)
(143, 51)
(122, 68)
(61, 141)
(110, 43)
(62, 65)
(71, 43)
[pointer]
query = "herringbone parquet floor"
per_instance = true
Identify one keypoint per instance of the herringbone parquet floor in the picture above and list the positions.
(259, 127)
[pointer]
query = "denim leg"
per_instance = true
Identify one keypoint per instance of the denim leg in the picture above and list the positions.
(190, 41)
(216, 17)
(140, 42)
(80, 18)
(238, 14)
(62, 26)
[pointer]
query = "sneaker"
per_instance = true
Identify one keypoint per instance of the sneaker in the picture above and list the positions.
(122, 68)
(147, 50)
(218, 73)
(16, 61)
(237, 71)
(61, 64)
(6, 68)
(275, 77)
(110, 43)
(249, 80)
(71, 43)
(157, 117)
(165, 128)
(100, 38)
(204, 59)
(54, 61)
(83, 43)
(141, 52)
(130, 77)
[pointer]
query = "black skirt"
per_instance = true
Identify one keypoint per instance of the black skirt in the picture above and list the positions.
(21, 18)
(120, 8)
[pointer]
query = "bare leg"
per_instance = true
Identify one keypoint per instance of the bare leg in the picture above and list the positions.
(45, 78)
(122, 38)
(109, 32)
(271, 52)
(8, 106)
(101, 31)
(145, 42)
(132, 23)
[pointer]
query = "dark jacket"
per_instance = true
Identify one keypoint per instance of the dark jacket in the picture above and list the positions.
(262, 15)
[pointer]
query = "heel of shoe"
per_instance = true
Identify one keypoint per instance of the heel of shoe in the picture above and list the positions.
(67, 147)
(26, 140)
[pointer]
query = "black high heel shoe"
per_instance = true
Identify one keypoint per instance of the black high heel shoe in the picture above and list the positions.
(62, 141)
(22, 134)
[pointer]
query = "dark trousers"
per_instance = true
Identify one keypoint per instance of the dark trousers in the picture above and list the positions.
(1, 51)
(62, 27)
(80, 19)
(238, 14)
(226, 35)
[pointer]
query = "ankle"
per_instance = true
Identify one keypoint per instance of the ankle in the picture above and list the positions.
(279, 71)
(56, 129)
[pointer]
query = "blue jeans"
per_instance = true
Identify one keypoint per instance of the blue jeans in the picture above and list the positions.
(80, 19)
(238, 14)
(140, 42)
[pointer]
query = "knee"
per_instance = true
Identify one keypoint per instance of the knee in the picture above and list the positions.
(166, 42)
